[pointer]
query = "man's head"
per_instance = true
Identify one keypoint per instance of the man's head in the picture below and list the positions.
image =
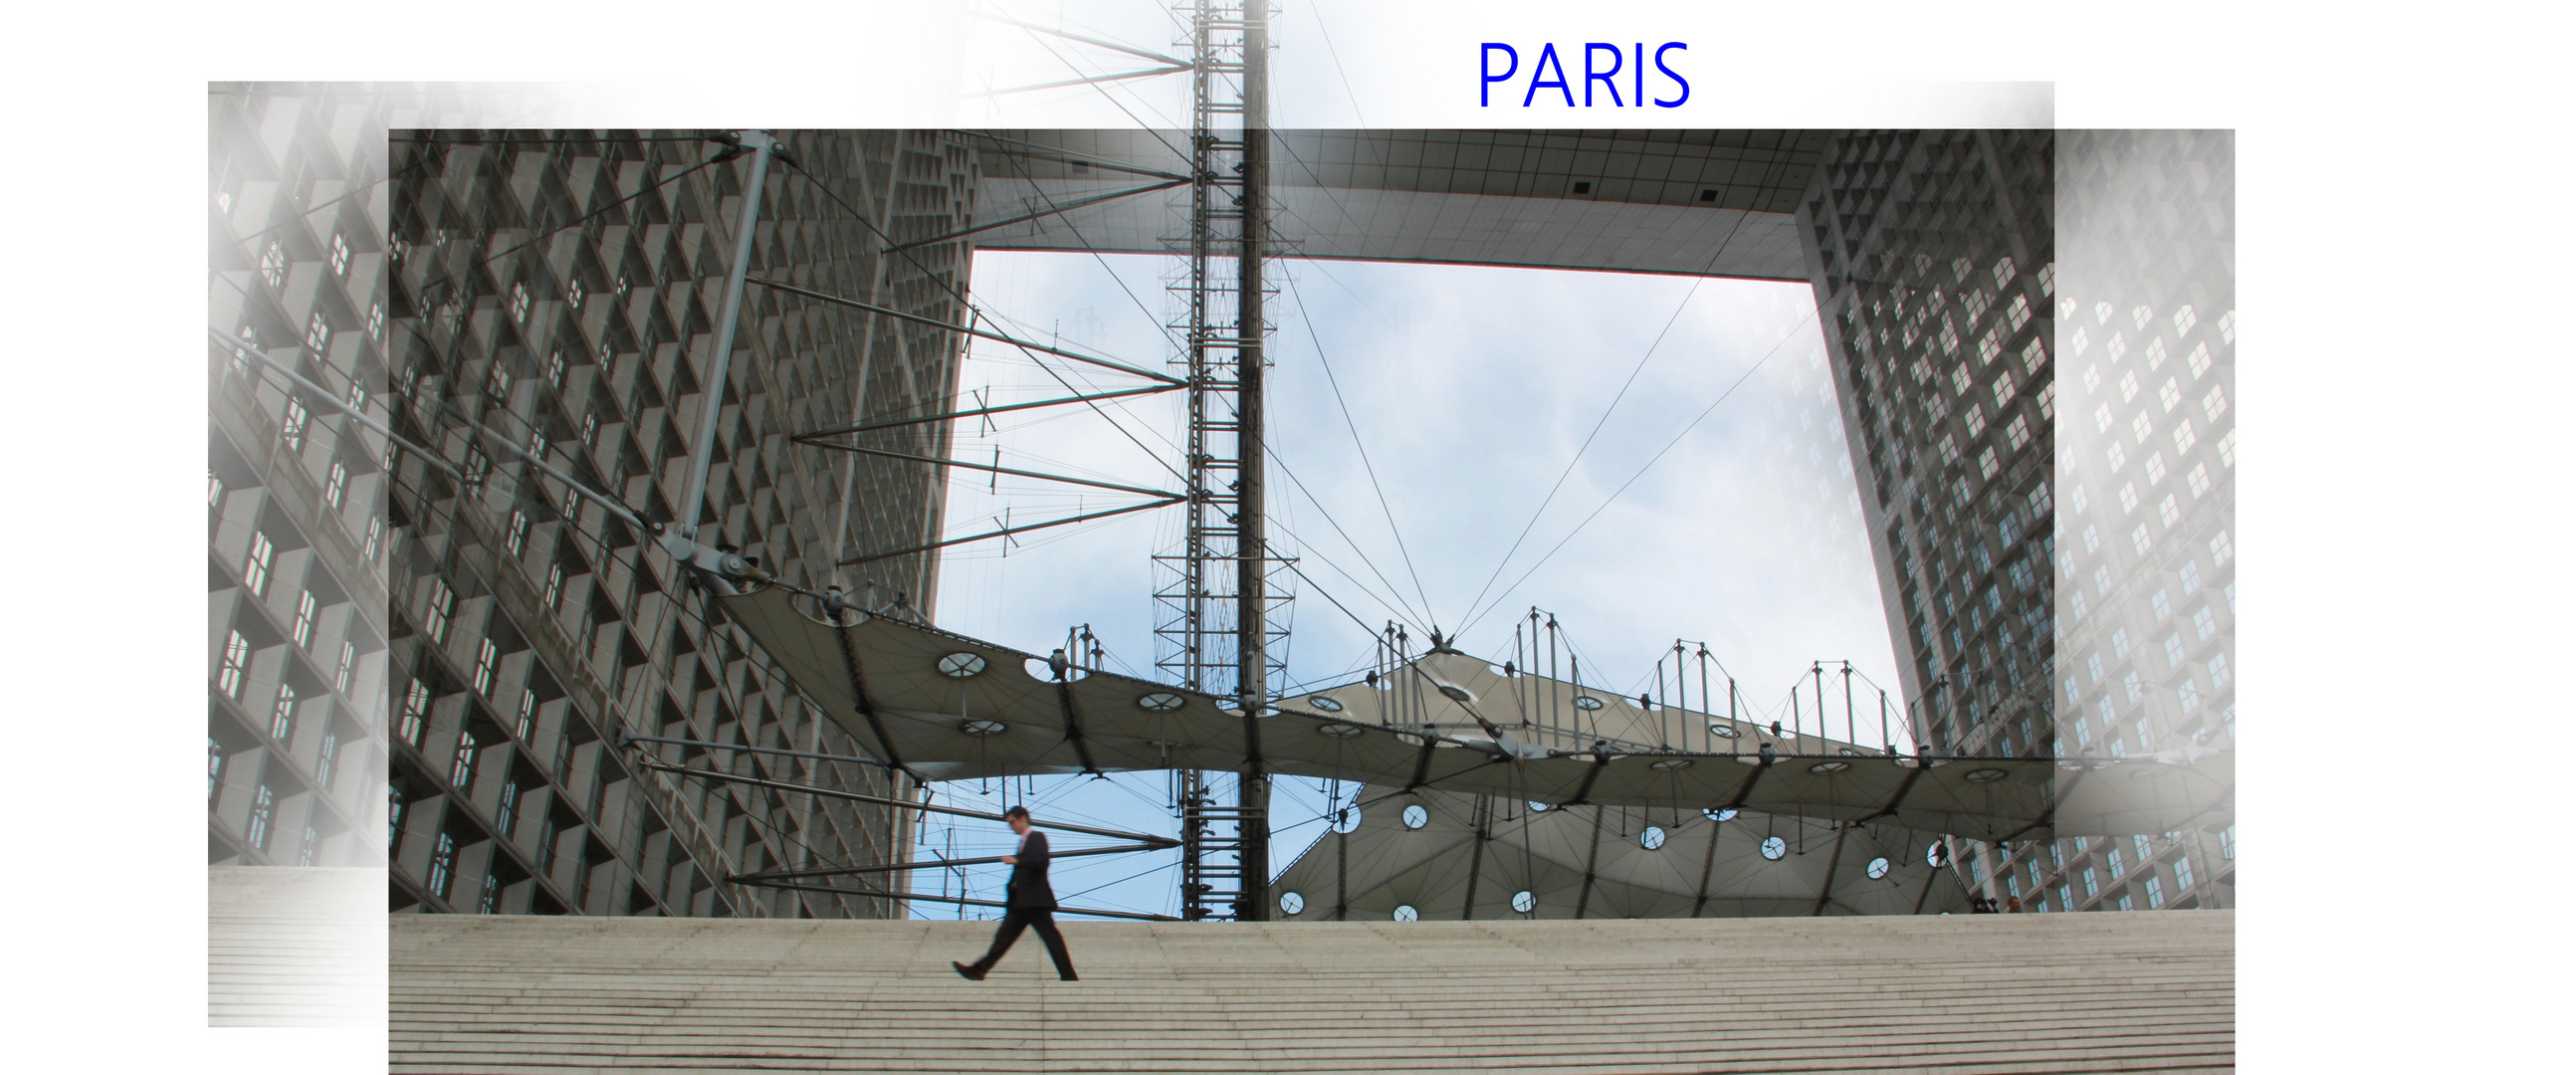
(1018, 816)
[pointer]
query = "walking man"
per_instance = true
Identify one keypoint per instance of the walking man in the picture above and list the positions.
(1030, 902)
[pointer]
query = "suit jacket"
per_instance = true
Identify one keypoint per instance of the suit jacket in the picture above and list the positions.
(1028, 886)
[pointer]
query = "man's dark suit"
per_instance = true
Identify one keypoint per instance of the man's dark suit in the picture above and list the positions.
(1031, 904)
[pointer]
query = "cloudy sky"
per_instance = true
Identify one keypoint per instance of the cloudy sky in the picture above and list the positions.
(1714, 504)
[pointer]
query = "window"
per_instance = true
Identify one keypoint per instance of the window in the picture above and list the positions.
(2171, 394)
(2130, 682)
(2118, 346)
(263, 814)
(589, 430)
(2091, 887)
(507, 814)
(335, 486)
(2220, 549)
(1959, 379)
(2143, 426)
(2190, 579)
(281, 718)
(519, 303)
(514, 537)
(2187, 695)
(497, 385)
(2227, 843)
(2125, 903)
(214, 491)
(2003, 389)
(442, 865)
(2218, 674)
(1987, 348)
(2032, 356)
(2128, 386)
(304, 612)
(323, 761)
(546, 843)
(1986, 464)
(2198, 478)
(2129, 498)
(305, 849)
(375, 536)
(574, 295)
(2108, 714)
(2169, 511)
(2198, 360)
(2113, 858)
(2183, 320)
(2138, 539)
(214, 769)
(555, 370)
(461, 773)
(442, 604)
(2182, 875)
(2156, 356)
(272, 264)
(2173, 650)
(2183, 437)
(2018, 432)
(290, 429)
(2118, 456)
(554, 586)
(317, 335)
(2204, 623)
(376, 321)
(2093, 664)
(2018, 314)
(2163, 607)
(487, 662)
(339, 255)
(415, 712)
(235, 665)
(2227, 449)
(491, 899)
(2066, 897)
(2092, 538)
(255, 567)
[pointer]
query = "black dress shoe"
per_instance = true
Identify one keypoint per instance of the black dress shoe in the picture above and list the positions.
(967, 972)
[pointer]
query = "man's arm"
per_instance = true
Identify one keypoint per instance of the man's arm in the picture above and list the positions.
(1036, 852)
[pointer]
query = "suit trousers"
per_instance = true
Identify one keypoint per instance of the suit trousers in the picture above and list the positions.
(1018, 918)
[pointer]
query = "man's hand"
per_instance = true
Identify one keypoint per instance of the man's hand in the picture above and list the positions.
(1010, 860)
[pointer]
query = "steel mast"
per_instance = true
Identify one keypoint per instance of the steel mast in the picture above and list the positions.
(1209, 643)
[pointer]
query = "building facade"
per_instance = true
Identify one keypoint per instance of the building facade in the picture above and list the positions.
(425, 659)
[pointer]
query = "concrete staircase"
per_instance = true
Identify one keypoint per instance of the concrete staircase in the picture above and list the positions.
(295, 946)
(2057, 993)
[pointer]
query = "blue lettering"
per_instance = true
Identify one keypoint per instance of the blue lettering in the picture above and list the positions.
(1659, 65)
(1638, 69)
(1485, 66)
(1604, 77)
(1546, 58)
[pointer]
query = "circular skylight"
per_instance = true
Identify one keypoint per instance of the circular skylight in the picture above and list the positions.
(1878, 868)
(1987, 776)
(1416, 817)
(1522, 901)
(1291, 903)
(1722, 731)
(1586, 702)
(961, 665)
(1346, 819)
(1719, 814)
(1160, 702)
(1537, 807)
(1404, 912)
(982, 727)
(1341, 731)
(1325, 702)
(1456, 694)
(1651, 839)
(1773, 847)
(1829, 767)
(1849, 752)
(1936, 855)
(1670, 764)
